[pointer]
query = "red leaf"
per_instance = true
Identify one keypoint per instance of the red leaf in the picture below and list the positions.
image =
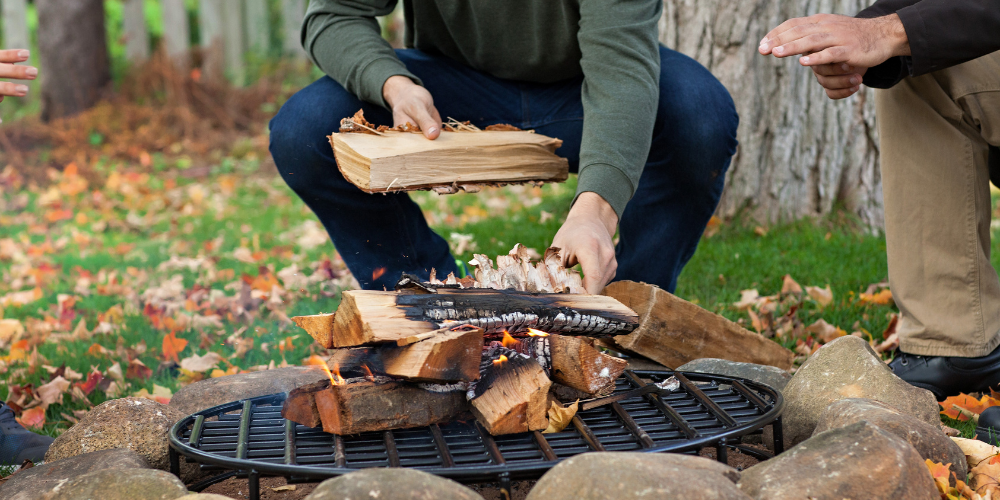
(33, 418)
(93, 379)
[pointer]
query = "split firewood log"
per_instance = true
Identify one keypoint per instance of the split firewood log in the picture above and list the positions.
(442, 356)
(674, 331)
(512, 396)
(319, 327)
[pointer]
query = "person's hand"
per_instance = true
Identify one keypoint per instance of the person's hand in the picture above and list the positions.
(839, 79)
(585, 239)
(8, 69)
(828, 39)
(412, 103)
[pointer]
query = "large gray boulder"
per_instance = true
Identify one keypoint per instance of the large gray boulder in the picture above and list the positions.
(211, 392)
(34, 483)
(847, 368)
(929, 440)
(603, 475)
(857, 461)
(120, 484)
(391, 484)
(138, 424)
(768, 375)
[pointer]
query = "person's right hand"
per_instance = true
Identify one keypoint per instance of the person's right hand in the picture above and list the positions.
(8, 58)
(840, 80)
(412, 103)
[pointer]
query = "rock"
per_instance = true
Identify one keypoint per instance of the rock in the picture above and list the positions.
(391, 484)
(929, 440)
(856, 461)
(847, 368)
(203, 496)
(120, 484)
(138, 424)
(220, 390)
(602, 475)
(769, 375)
(33, 483)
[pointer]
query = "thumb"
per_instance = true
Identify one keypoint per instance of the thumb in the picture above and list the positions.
(430, 126)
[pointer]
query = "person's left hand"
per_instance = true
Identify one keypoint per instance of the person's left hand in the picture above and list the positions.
(8, 58)
(839, 79)
(585, 239)
(829, 38)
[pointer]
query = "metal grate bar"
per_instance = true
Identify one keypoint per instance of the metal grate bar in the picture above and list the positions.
(750, 395)
(290, 442)
(587, 433)
(693, 390)
(491, 445)
(543, 444)
(390, 448)
(665, 408)
(644, 439)
(199, 425)
(339, 453)
(241, 441)
(442, 446)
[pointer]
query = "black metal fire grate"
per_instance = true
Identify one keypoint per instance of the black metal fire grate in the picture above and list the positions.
(250, 438)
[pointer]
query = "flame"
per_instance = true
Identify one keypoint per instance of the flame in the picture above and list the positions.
(508, 341)
(335, 378)
(500, 361)
(368, 371)
(377, 273)
(536, 333)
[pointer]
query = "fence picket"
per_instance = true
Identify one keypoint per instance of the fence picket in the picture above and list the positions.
(292, 14)
(15, 24)
(136, 36)
(212, 38)
(232, 26)
(176, 32)
(258, 27)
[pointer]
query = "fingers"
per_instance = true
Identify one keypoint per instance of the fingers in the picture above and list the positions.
(839, 82)
(835, 69)
(14, 55)
(599, 269)
(842, 93)
(827, 55)
(13, 89)
(767, 43)
(18, 72)
(430, 126)
(806, 44)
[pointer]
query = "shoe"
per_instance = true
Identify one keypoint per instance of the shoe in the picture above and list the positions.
(948, 375)
(18, 444)
(988, 429)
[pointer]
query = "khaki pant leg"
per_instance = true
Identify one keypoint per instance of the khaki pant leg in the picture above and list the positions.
(935, 131)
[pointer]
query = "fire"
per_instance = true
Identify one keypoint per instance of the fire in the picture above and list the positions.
(377, 273)
(500, 361)
(335, 378)
(508, 341)
(368, 371)
(536, 333)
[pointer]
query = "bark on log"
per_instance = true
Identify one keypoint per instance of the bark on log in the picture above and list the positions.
(800, 152)
(674, 331)
(74, 55)
(513, 397)
(300, 404)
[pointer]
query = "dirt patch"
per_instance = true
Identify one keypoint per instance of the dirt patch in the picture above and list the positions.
(240, 488)
(736, 460)
(491, 491)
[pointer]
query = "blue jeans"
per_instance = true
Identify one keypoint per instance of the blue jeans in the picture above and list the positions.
(694, 139)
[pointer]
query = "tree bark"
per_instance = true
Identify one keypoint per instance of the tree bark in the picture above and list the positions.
(74, 55)
(800, 153)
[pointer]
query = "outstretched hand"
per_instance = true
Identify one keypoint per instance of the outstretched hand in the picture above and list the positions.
(412, 103)
(8, 69)
(585, 239)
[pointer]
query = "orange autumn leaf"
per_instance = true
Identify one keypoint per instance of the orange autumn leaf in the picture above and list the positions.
(33, 418)
(264, 281)
(97, 350)
(881, 298)
(172, 346)
(966, 402)
(58, 215)
(940, 472)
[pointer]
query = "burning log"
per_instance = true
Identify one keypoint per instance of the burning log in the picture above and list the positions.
(512, 396)
(371, 317)
(391, 161)
(578, 364)
(319, 326)
(675, 331)
(373, 404)
(445, 356)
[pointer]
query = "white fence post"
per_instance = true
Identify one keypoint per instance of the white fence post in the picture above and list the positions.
(136, 36)
(258, 28)
(232, 27)
(212, 39)
(293, 12)
(15, 25)
(176, 32)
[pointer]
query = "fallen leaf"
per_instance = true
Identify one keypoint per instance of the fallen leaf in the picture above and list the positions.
(560, 417)
(976, 451)
(160, 394)
(232, 370)
(286, 487)
(940, 472)
(33, 418)
(187, 377)
(10, 330)
(968, 403)
(138, 369)
(755, 321)
(881, 298)
(825, 331)
(789, 285)
(52, 392)
(97, 350)
(713, 226)
(747, 299)
(204, 363)
(822, 296)
(93, 378)
(115, 372)
(984, 479)
(172, 346)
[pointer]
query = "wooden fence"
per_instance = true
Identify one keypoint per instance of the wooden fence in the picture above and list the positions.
(229, 30)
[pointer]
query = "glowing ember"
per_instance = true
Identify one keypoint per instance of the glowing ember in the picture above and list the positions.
(508, 341)
(536, 333)
(335, 378)
(500, 361)
(368, 371)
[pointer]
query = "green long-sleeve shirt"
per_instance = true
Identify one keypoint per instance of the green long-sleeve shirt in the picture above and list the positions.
(612, 43)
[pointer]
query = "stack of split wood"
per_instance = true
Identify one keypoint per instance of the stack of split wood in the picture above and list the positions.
(504, 346)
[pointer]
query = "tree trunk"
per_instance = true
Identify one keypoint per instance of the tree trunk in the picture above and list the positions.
(136, 37)
(210, 14)
(800, 153)
(258, 27)
(293, 12)
(232, 28)
(176, 32)
(15, 24)
(74, 55)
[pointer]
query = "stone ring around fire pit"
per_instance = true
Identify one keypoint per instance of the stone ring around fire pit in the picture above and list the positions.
(649, 411)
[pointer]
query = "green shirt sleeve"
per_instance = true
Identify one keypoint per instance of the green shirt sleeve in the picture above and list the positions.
(344, 40)
(621, 90)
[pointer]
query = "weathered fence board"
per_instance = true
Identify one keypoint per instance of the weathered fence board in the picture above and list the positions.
(136, 36)
(258, 27)
(232, 28)
(176, 32)
(15, 24)
(292, 14)
(212, 38)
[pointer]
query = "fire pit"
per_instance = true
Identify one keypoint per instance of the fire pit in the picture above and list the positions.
(648, 411)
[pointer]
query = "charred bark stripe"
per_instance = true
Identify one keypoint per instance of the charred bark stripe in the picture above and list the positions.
(497, 310)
